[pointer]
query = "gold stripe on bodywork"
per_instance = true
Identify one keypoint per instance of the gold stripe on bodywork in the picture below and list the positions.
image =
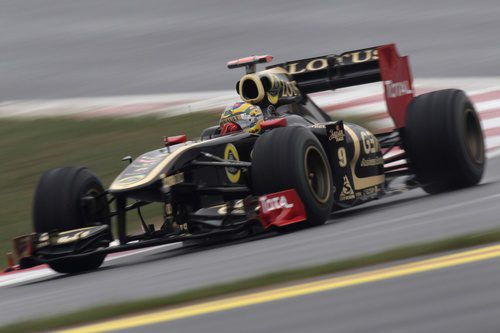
(116, 186)
(365, 182)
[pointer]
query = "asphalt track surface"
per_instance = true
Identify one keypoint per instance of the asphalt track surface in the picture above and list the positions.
(56, 48)
(66, 49)
(399, 220)
(460, 299)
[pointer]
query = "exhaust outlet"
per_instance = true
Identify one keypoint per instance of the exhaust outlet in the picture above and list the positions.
(251, 89)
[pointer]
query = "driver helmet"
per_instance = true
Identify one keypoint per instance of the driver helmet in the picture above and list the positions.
(241, 116)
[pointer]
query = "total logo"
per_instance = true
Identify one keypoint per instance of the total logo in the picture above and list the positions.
(270, 204)
(397, 89)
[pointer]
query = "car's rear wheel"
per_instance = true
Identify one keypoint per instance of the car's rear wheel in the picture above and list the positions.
(444, 141)
(293, 158)
(59, 206)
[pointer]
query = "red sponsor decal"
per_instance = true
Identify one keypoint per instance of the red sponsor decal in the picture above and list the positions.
(281, 208)
(398, 87)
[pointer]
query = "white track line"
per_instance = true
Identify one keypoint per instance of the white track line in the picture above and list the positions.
(175, 104)
(27, 276)
(491, 123)
(38, 273)
(172, 246)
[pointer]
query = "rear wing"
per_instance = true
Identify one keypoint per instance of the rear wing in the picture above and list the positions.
(380, 63)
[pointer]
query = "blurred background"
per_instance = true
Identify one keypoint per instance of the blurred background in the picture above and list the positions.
(57, 56)
(56, 49)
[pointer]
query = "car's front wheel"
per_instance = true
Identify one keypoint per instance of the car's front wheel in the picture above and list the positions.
(58, 206)
(293, 158)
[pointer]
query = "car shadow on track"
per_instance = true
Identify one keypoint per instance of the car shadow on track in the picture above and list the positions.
(60, 277)
(394, 201)
(374, 206)
(152, 257)
(193, 249)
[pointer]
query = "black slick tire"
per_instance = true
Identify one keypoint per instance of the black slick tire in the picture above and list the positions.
(444, 141)
(293, 158)
(57, 206)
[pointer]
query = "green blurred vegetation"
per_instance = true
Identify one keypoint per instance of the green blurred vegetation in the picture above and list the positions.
(29, 147)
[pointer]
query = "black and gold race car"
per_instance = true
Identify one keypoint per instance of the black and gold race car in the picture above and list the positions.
(295, 172)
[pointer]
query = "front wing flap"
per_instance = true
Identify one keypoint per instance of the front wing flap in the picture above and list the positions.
(274, 210)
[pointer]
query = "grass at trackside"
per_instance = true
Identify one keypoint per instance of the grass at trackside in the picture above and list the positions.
(28, 148)
(124, 308)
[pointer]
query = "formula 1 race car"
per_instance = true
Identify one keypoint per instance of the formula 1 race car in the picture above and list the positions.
(298, 169)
